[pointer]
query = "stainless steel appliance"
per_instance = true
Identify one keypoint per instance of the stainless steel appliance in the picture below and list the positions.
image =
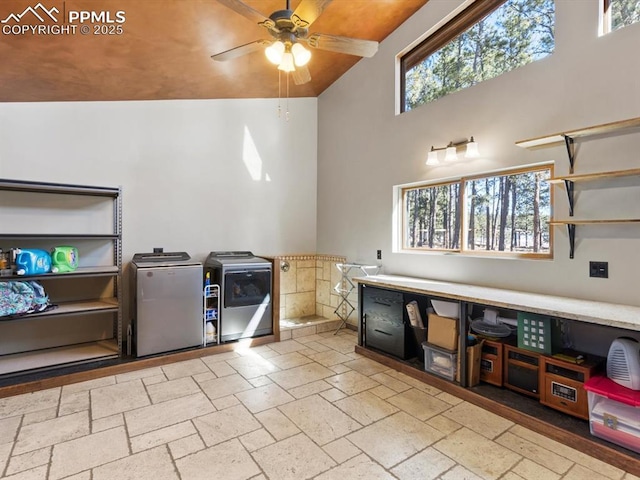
(245, 290)
(167, 302)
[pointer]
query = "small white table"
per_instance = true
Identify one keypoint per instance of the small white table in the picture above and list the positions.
(346, 286)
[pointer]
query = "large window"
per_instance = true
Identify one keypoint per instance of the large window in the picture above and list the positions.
(620, 13)
(433, 217)
(507, 213)
(487, 39)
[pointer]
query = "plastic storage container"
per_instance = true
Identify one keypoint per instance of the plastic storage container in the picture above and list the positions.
(614, 412)
(64, 259)
(32, 261)
(446, 309)
(440, 361)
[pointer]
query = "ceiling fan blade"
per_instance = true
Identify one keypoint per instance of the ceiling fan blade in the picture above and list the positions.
(239, 51)
(248, 12)
(335, 43)
(301, 75)
(308, 11)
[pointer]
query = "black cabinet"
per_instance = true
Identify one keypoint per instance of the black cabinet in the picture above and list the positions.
(385, 322)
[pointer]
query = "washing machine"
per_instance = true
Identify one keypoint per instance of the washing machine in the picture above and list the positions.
(245, 289)
(167, 302)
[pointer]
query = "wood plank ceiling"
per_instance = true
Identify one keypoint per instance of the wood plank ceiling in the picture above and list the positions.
(165, 48)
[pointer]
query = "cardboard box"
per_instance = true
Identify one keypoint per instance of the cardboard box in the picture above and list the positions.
(474, 354)
(442, 332)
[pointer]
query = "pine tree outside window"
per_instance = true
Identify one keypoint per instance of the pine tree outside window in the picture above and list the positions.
(485, 40)
(619, 13)
(505, 214)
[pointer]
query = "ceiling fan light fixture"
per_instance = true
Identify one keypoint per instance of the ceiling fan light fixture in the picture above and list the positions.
(286, 65)
(288, 48)
(301, 55)
(275, 52)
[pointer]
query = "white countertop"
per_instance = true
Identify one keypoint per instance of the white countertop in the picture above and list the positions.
(601, 313)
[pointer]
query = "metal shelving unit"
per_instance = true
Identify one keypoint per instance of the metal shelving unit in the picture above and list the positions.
(211, 313)
(86, 324)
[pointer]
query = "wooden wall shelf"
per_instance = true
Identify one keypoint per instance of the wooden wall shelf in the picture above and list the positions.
(555, 138)
(569, 180)
(594, 222)
(571, 227)
(588, 177)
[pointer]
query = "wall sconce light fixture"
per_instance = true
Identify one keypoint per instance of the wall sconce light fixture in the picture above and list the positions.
(451, 151)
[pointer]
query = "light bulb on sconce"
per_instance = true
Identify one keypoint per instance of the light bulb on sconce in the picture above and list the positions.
(451, 151)
(432, 157)
(472, 149)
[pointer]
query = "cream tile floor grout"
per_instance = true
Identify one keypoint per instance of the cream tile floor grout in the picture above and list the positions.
(302, 408)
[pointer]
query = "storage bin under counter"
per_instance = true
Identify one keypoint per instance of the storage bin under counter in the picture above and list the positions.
(614, 412)
(440, 361)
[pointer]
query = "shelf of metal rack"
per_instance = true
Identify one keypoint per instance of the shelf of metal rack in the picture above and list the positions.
(344, 288)
(211, 313)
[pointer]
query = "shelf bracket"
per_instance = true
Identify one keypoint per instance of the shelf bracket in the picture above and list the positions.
(569, 185)
(569, 143)
(571, 230)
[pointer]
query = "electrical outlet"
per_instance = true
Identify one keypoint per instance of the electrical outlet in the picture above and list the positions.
(599, 269)
(379, 255)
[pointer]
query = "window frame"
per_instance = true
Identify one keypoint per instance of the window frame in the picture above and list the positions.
(605, 13)
(404, 227)
(443, 35)
(462, 208)
(606, 19)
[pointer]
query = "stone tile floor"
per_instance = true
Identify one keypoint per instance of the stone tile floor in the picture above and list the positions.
(303, 408)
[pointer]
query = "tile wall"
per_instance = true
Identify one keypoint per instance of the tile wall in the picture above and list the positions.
(307, 286)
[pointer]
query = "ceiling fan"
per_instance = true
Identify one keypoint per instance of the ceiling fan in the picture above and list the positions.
(290, 29)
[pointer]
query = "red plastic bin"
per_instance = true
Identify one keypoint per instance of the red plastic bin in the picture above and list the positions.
(614, 412)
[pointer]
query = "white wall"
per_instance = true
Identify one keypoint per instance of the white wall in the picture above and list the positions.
(196, 176)
(365, 149)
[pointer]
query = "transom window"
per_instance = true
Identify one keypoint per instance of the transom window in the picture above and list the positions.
(507, 213)
(485, 40)
(619, 13)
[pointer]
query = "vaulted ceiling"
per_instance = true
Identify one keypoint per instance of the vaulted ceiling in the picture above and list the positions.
(165, 48)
